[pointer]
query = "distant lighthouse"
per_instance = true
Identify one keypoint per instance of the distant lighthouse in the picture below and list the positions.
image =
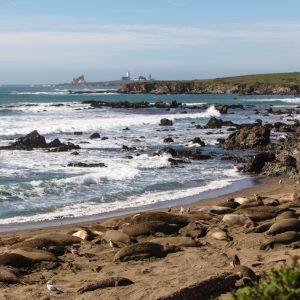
(127, 76)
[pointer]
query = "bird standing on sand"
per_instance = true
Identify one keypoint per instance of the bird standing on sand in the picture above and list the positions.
(74, 250)
(52, 288)
(280, 181)
(112, 245)
(182, 210)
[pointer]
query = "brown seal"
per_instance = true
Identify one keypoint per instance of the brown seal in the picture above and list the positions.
(284, 225)
(144, 250)
(281, 238)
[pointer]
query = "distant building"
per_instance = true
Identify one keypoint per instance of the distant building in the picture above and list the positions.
(127, 76)
(79, 80)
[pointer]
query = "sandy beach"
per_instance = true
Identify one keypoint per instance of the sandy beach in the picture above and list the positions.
(195, 259)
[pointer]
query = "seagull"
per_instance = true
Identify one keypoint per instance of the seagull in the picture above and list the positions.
(112, 245)
(52, 288)
(280, 181)
(74, 250)
(182, 210)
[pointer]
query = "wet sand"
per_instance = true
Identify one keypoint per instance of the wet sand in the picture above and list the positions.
(153, 277)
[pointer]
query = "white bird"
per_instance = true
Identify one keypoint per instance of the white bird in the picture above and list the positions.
(182, 210)
(112, 244)
(280, 181)
(74, 250)
(52, 288)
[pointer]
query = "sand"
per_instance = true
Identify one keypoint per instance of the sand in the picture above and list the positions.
(153, 277)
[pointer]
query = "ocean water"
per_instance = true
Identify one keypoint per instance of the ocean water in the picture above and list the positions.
(39, 186)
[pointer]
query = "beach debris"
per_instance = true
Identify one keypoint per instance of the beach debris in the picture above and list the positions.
(105, 283)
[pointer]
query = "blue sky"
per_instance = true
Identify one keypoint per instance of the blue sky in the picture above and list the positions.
(45, 41)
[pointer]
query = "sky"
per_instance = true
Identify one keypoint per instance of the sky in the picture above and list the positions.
(51, 41)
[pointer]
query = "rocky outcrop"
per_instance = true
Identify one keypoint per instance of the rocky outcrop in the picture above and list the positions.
(85, 165)
(216, 86)
(249, 136)
(213, 122)
(95, 135)
(194, 154)
(34, 140)
(258, 161)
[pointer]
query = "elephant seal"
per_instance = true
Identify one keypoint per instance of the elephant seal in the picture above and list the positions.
(217, 210)
(168, 218)
(236, 219)
(10, 276)
(260, 228)
(289, 214)
(230, 203)
(117, 237)
(43, 241)
(150, 227)
(84, 234)
(281, 238)
(144, 250)
(194, 230)
(15, 260)
(243, 200)
(219, 234)
(256, 216)
(97, 229)
(36, 255)
(283, 226)
(177, 241)
(246, 274)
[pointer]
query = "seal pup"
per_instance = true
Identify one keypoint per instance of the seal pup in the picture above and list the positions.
(219, 234)
(10, 275)
(52, 288)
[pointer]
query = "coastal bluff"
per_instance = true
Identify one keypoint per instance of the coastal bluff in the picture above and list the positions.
(262, 84)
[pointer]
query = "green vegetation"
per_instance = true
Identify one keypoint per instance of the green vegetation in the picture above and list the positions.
(280, 285)
(275, 78)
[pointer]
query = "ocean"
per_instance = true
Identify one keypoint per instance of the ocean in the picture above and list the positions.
(38, 186)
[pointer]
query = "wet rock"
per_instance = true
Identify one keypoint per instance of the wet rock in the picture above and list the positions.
(248, 137)
(95, 135)
(214, 123)
(168, 140)
(64, 147)
(223, 109)
(166, 122)
(31, 140)
(78, 133)
(85, 165)
(258, 161)
(197, 140)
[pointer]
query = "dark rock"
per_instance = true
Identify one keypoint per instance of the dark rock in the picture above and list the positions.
(124, 147)
(95, 135)
(223, 109)
(168, 140)
(175, 162)
(65, 147)
(248, 137)
(104, 138)
(75, 153)
(183, 153)
(77, 133)
(197, 140)
(258, 161)
(166, 122)
(55, 143)
(32, 140)
(85, 165)
(214, 123)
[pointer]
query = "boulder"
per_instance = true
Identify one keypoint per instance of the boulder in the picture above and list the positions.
(32, 140)
(248, 136)
(197, 140)
(166, 122)
(95, 135)
(223, 109)
(258, 161)
(214, 123)
(168, 140)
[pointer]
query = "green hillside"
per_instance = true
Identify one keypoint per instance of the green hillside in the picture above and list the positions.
(273, 78)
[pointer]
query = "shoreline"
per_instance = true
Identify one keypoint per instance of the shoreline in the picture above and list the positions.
(236, 186)
(152, 277)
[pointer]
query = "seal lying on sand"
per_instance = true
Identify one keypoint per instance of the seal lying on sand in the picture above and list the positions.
(117, 237)
(261, 228)
(287, 215)
(35, 254)
(177, 241)
(10, 275)
(144, 250)
(42, 241)
(236, 219)
(284, 225)
(15, 260)
(150, 227)
(247, 274)
(161, 216)
(282, 238)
